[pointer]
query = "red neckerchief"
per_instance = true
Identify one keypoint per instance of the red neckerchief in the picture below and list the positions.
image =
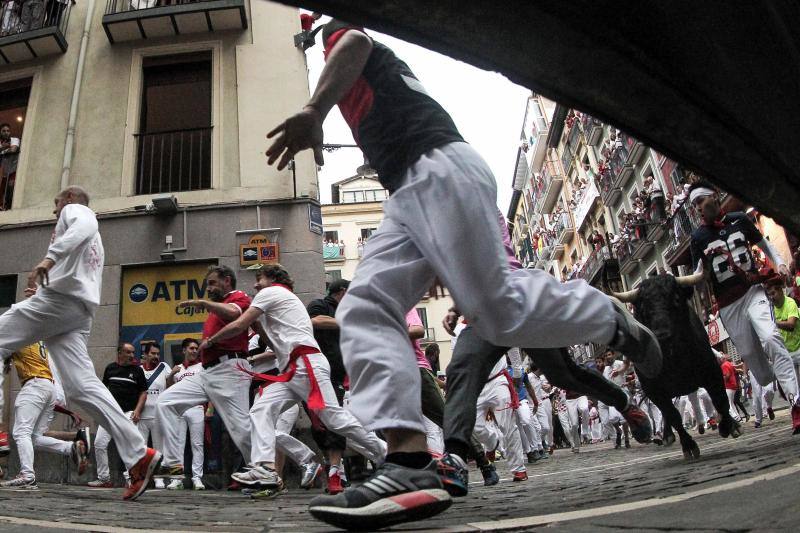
(514, 404)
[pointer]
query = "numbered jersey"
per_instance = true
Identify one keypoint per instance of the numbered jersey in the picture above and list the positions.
(725, 251)
(31, 362)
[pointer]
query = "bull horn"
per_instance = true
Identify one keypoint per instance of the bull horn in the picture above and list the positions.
(627, 296)
(690, 280)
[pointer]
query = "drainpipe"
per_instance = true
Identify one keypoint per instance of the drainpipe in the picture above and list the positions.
(76, 92)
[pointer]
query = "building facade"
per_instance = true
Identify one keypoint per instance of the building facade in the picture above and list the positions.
(603, 207)
(356, 212)
(160, 110)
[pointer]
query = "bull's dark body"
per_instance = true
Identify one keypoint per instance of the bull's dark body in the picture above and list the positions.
(689, 363)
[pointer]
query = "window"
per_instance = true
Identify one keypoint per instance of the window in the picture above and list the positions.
(366, 233)
(331, 236)
(333, 275)
(348, 197)
(13, 106)
(174, 142)
(423, 316)
(8, 290)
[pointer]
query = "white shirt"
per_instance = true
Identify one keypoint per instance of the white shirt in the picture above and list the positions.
(536, 383)
(285, 321)
(158, 386)
(265, 365)
(619, 379)
(498, 367)
(186, 371)
(77, 251)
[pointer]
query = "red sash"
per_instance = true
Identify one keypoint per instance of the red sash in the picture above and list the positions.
(315, 400)
(510, 384)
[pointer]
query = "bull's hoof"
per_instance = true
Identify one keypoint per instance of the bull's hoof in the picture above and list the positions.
(669, 439)
(691, 452)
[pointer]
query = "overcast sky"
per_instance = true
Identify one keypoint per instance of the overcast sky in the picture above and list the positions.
(487, 108)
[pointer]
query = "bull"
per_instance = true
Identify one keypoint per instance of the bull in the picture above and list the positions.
(660, 303)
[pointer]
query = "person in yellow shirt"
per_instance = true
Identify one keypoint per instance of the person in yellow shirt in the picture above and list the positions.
(786, 318)
(33, 412)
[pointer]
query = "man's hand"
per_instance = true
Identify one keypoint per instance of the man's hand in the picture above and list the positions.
(135, 417)
(77, 421)
(450, 322)
(175, 370)
(199, 304)
(30, 291)
(297, 133)
(205, 345)
(40, 274)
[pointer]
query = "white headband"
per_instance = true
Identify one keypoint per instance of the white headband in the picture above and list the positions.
(699, 192)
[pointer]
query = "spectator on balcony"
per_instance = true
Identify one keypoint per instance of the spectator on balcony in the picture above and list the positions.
(341, 248)
(143, 4)
(8, 144)
(55, 10)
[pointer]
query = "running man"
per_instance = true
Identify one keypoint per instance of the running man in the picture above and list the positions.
(61, 314)
(442, 195)
(723, 244)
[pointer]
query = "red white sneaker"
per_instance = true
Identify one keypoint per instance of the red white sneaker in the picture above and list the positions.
(796, 419)
(141, 473)
(4, 449)
(334, 483)
(521, 476)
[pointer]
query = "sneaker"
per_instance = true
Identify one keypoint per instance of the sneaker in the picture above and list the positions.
(392, 495)
(175, 484)
(701, 428)
(657, 439)
(335, 485)
(770, 413)
(756, 424)
(543, 455)
(639, 423)
(100, 484)
(85, 436)
(141, 474)
(454, 474)
(4, 448)
(490, 476)
(262, 476)
(712, 423)
(159, 483)
(532, 457)
(795, 419)
(310, 473)
(520, 476)
(174, 471)
(636, 342)
(78, 455)
(20, 483)
(197, 484)
(266, 494)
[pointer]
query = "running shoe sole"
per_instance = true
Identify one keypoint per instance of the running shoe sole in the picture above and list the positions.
(411, 506)
(154, 465)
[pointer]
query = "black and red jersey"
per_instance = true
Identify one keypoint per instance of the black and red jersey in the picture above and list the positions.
(393, 120)
(725, 251)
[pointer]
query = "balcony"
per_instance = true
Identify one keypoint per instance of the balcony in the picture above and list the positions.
(553, 181)
(633, 147)
(641, 248)
(332, 252)
(594, 264)
(8, 177)
(130, 20)
(173, 161)
(679, 228)
(610, 194)
(624, 253)
(557, 251)
(32, 29)
(565, 228)
(620, 169)
(592, 129)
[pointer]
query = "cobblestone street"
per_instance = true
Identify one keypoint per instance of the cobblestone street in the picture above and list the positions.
(726, 489)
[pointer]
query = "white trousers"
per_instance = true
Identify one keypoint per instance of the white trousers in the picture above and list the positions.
(734, 413)
(610, 418)
(33, 412)
(544, 415)
(63, 323)
(101, 441)
(437, 223)
(434, 436)
(702, 406)
(751, 325)
(762, 397)
(529, 429)
(226, 387)
(596, 428)
(496, 396)
(148, 427)
(646, 405)
(278, 397)
(577, 410)
(294, 448)
(194, 421)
